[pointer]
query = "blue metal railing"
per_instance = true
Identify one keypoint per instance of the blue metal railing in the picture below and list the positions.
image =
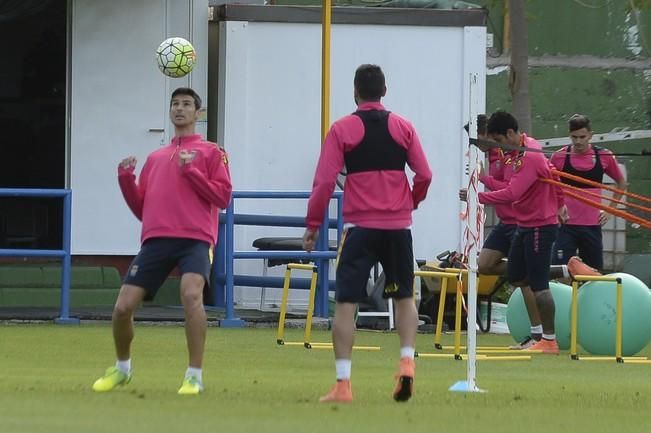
(64, 253)
(224, 278)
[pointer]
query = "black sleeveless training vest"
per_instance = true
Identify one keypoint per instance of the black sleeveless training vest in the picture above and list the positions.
(377, 150)
(595, 174)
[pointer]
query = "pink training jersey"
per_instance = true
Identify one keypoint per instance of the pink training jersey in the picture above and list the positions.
(579, 213)
(503, 171)
(179, 201)
(534, 203)
(379, 199)
(494, 181)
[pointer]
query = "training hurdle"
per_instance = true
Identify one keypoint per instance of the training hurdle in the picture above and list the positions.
(486, 286)
(307, 335)
(618, 323)
(482, 352)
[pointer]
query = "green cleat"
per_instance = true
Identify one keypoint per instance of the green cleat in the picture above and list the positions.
(191, 386)
(111, 379)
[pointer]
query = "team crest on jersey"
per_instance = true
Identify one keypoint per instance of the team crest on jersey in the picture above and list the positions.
(515, 163)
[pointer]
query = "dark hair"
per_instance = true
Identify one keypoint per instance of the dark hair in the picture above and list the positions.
(189, 92)
(500, 122)
(481, 124)
(369, 82)
(579, 121)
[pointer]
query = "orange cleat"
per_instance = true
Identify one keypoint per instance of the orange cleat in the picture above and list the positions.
(575, 266)
(405, 380)
(524, 344)
(342, 392)
(546, 346)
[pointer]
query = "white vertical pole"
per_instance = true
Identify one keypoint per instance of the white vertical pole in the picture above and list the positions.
(474, 228)
(473, 238)
(473, 91)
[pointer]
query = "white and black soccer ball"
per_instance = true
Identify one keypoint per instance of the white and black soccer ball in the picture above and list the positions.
(175, 57)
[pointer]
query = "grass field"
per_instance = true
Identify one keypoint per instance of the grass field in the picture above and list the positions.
(252, 385)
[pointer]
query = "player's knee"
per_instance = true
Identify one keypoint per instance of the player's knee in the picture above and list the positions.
(123, 310)
(191, 297)
(484, 268)
(487, 264)
(489, 267)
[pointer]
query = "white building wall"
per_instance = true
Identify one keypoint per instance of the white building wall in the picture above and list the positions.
(269, 113)
(119, 105)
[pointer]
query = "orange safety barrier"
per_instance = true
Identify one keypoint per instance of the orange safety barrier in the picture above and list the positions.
(617, 212)
(612, 200)
(600, 185)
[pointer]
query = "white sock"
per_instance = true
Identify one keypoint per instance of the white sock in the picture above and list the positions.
(549, 336)
(536, 329)
(566, 273)
(193, 372)
(124, 366)
(343, 367)
(407, 352)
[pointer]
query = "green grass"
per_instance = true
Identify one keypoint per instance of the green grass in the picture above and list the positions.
(252, 385)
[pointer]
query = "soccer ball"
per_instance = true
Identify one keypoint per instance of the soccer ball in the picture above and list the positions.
(175, 57)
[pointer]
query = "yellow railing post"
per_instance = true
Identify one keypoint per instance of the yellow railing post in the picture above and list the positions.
(618, 314)
(439, 315)
(574, 320)
(280, 335)
(457, 319)
(619, 318)
(310, 310)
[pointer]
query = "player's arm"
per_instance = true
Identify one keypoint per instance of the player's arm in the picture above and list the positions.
(215, 185)
(492, 183)
(331, 161)
(556, 162)
(494, 178)
(134, 194)
(417, 162)
(557, 159)
(520, 183)
(611, 168)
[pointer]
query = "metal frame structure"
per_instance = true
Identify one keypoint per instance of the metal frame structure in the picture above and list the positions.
(307, 336)
(619, 315)
(63, 253)
(224, 278)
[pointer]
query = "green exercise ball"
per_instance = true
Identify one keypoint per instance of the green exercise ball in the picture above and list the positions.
(597, 303)
(517, 317)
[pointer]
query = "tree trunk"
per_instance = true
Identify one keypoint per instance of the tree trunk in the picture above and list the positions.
(519, 72)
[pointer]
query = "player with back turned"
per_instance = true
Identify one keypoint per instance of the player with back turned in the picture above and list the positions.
(375, 146)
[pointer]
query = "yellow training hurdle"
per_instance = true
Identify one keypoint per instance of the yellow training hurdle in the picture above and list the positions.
(483, 352)
(618, 323)
(307, 335)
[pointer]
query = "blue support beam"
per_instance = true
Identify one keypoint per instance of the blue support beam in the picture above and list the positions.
(63, 253)
(224, 278)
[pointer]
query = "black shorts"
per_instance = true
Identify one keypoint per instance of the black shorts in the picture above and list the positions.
(361, 249)
(584, 240)
(500, 238)
(158, 257)
(530, 256)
